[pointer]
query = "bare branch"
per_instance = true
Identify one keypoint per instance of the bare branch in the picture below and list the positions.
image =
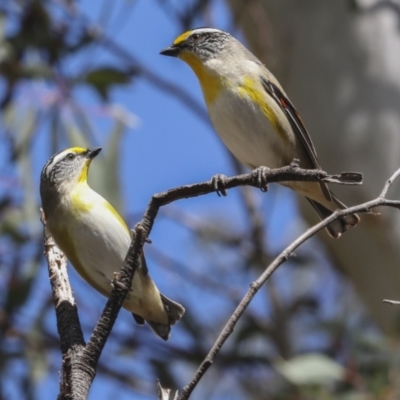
(389, 183)
(134, 64)
(68, 325)
(165, 394)
(255, 286)
(392, 302)
(288, 173)
(345, 178)
(122, 284)
(82, 360)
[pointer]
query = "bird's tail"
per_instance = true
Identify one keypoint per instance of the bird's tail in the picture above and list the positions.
(336, 228)
(174, 311)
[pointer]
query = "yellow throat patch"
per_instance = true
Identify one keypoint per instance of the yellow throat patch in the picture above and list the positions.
(84, 173)
(211, 84)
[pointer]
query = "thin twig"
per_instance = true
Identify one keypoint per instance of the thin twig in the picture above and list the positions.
(132, 63)
(82, 362)
(255, 286)
(288, 173)
(389, 183)
(165, 394)
(122, 284)
(392, 302)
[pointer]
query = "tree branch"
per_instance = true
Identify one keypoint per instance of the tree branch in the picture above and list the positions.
(289, 173)
(122, 284)
(131, 62)
(283, 256)
(68, 325)
(81, 361)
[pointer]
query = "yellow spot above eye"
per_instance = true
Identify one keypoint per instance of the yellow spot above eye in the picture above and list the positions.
(181, 38)
(76, 150)
(249, 88)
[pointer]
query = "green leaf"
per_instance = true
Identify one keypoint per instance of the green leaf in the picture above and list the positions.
(311, 369)
(3, 20)
(23, 130)
(36, 357)
(10, 224)
(103, 78)
(21, 281)
(30, 206)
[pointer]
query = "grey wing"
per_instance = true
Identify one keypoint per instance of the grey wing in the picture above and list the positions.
(143, 265)
(298, 126)
(139, 320)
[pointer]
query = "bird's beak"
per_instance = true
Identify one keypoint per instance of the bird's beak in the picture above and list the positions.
(92, 153)
(172, 51)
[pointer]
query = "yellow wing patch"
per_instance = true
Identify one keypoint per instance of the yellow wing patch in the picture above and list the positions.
(116, 215)
(181, 38)
(249, 88)
(83, 203)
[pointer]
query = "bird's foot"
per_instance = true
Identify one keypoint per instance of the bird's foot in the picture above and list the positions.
(115, 281)
(261, 175)
(295, 163)
(219, 184)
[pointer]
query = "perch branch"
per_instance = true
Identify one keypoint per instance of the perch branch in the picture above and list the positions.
(82, 360)
(283, 256)
(122, 284)
(68, 325)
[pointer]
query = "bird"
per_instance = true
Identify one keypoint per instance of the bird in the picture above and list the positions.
(95, 238)
(253, 115)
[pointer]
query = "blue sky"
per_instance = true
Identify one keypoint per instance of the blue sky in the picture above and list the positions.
(169, 146)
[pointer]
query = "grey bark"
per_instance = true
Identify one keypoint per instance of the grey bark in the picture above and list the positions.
(339, 62)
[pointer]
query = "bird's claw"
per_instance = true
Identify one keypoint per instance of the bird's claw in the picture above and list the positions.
(219, 184)
(262, 181)
(116, 282)
(295, 163)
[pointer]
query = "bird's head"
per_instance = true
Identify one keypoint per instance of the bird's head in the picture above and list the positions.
(67, 168)
(200, 43)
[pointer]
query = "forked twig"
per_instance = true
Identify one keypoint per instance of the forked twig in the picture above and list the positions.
(283, 256)
(80, 366)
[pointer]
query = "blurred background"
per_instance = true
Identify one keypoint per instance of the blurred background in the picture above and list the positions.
(90, 74)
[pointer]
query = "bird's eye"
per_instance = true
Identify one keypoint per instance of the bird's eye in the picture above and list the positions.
(196, 36)
(70, 156)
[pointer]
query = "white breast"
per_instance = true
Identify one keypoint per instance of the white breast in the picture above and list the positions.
(102, 240)
(247, 132)
(105, 245)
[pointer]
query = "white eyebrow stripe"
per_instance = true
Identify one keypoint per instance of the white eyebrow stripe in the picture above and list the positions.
(206, 30)
(57, 158)
(60, 156)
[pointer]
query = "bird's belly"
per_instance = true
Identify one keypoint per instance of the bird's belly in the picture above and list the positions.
(247, 132)
(99, 246)
(103, 250)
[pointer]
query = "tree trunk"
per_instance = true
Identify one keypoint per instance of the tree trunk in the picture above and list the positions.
(339, 62)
